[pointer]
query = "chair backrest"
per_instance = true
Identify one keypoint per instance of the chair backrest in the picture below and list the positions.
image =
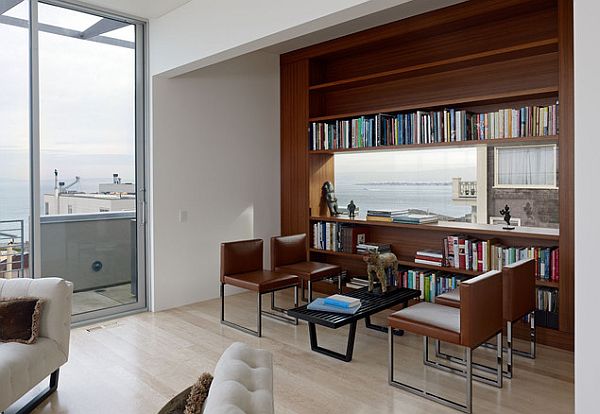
(518, 289)
(480, 308)
(241, 257)
(286, 250)
(55, 322)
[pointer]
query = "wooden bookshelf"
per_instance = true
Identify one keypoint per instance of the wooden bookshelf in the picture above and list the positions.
(485, 230)
(408, 262)
(475, 56)
(550, 139)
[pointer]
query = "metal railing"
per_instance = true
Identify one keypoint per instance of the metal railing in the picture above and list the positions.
(12, 249)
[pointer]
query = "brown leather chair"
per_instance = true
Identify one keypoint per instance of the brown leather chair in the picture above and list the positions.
(288, 254)
(518, 300)
(242, 266)
(478, 319)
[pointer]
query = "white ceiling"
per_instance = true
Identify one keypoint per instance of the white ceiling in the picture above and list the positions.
(139, 8)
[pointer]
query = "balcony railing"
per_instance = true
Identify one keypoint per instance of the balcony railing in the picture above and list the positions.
(93, 251)
(13, 255)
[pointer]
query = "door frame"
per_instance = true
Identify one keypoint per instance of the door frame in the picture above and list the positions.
(141, 151)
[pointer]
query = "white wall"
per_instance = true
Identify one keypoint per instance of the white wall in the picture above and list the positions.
(587, 201)
(204, 32)
(215, 156)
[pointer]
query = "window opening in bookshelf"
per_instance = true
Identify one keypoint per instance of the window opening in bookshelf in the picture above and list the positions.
(525, 167)
(438, 181)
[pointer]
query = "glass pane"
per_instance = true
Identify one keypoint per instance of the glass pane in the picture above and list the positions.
(14, 144)
(87, 168)
(441, 181)
(526, 166)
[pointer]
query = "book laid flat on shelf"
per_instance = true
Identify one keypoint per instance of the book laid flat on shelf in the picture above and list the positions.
(373, 247)
(342, 301)
(412, 218)
(320, 305)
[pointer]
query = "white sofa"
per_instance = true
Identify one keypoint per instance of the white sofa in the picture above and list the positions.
(23, 366)
(243, 382)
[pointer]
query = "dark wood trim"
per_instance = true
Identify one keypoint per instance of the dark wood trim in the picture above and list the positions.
(566, 167)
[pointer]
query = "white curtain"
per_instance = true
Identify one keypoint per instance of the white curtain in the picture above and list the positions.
(526, 166)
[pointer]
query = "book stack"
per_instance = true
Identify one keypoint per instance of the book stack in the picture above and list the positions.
(384, 215)
(411, 218)
(372, 247)
(357, 283)
(336, 304)
(431, 283)
(429, 257)
(482, 255)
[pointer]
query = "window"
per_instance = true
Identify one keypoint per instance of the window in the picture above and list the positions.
(46, 209)
(415, 180)
(70, 209)
(525, 167)
(103, 210)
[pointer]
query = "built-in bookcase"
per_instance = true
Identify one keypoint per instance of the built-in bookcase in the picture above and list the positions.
(478, 57)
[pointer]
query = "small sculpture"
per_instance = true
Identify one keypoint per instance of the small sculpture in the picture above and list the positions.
(330, 198)
(376, 265)
(351, 209)
(506, 213)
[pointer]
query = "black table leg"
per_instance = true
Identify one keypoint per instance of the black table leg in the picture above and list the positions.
(312, 330)
(375, 327)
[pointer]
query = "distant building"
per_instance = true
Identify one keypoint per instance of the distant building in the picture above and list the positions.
(115, 196)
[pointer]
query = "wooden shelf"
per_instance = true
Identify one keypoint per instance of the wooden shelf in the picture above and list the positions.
(523, 94)
(458, 227)
(547, 283)
(531, 48)
(408, 147)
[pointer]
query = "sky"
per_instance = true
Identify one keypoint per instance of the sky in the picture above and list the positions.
(432, 165)
(86, 100)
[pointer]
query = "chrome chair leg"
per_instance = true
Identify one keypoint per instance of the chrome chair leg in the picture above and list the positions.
(467, 407)
(460, 361)
(282, 315)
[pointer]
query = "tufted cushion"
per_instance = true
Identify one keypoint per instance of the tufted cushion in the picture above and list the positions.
(243, 382)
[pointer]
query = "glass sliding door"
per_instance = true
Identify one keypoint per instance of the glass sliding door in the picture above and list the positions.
(15, 176)
(83, 165)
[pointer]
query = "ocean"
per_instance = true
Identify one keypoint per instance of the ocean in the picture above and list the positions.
(436, 198)
(14, 196)
(433, 197)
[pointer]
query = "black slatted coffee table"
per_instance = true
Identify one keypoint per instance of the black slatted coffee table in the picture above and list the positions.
(371, 303)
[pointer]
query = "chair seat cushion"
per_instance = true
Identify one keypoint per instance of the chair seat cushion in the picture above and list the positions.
(243, 382)
(24, 365)
(311, 270)
(450, 298)
(429, 319)
(262, 280)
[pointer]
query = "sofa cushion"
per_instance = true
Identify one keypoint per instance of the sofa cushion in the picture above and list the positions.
(22, 366)
(20, 319)
(243, 382)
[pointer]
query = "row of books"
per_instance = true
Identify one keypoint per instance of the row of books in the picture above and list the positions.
(425, 127)
(546, 313)
(431, 283)
(341, 237)
(463, 252)
(401, 216)
(513, 123)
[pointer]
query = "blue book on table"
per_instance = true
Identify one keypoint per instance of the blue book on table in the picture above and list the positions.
(320, 305)
(339, 303)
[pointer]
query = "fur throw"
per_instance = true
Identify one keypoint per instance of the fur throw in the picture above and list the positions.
(198, 394)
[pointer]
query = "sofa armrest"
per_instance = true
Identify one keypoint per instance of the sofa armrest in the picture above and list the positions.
(55, 322)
